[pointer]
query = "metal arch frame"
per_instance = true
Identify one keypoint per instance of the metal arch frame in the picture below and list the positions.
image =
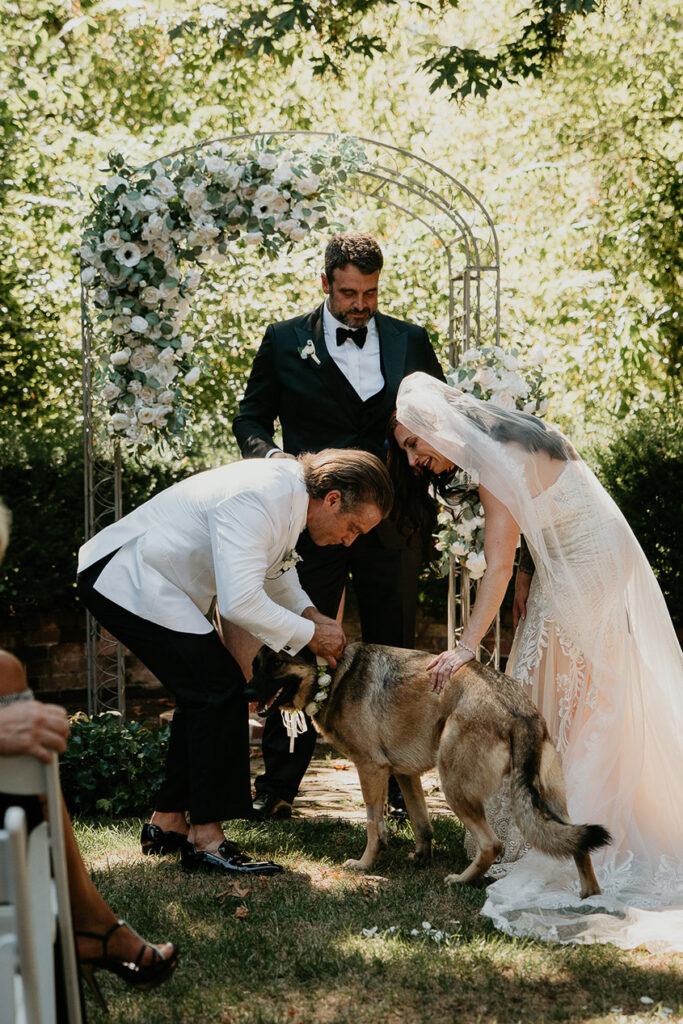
(416, 188)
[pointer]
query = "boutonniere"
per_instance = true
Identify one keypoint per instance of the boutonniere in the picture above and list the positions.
(309, 350)
(290, 558)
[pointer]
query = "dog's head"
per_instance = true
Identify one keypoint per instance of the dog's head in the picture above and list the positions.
(282, 681)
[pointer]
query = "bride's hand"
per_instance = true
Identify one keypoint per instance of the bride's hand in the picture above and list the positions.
(445, 664)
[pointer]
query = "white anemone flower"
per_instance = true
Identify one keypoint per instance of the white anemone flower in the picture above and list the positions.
(129, 254)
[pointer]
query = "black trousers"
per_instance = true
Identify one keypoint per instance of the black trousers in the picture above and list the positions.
(207, 768)
(384, 570)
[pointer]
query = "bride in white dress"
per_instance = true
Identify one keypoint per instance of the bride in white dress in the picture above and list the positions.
(597, 651)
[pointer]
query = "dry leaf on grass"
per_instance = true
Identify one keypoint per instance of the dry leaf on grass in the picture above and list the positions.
(242, 912)
(239, 890)
(340, 767)
(227, 1017)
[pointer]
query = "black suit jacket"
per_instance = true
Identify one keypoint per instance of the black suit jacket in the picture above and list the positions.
(316, 405)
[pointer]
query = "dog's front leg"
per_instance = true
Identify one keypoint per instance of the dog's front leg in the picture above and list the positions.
(373, 781)
(413, 793)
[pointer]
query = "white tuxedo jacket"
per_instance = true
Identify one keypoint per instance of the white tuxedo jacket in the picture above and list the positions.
(223, 533)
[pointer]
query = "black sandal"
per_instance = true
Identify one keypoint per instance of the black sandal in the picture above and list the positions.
(135, 974)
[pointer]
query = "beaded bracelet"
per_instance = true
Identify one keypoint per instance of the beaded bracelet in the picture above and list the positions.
(461, 644)
(12, 698)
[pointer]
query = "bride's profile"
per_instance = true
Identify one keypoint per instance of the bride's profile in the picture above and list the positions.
(596, 650)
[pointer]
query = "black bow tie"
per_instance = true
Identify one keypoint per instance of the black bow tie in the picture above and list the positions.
(357, 337)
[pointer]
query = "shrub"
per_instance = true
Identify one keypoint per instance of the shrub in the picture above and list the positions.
(641, 466)
(43, 487)
(112, 767)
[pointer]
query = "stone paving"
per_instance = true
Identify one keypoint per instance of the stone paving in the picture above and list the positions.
(330, 787)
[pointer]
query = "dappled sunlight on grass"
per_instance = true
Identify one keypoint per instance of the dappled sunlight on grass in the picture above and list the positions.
(321, 945)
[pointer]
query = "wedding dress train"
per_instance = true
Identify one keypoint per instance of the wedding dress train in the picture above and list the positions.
(618, 728)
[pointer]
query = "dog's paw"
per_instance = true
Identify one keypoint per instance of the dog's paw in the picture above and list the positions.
(453, 880)
(354, 865)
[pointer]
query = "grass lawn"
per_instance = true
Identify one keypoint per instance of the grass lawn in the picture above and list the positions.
(318, 945)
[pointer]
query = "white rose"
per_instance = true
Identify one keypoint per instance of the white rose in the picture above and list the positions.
(154, 228)
(193, 279)
(192, 376)
(129, 254)
(530, 407)
(113, 279)
(146, 415)
(237, 212)
(112, 238)
(135, 387)
(88, 275)
(267, 160)
(147, 395)
(149, 202)
(164, 187)
(282, 174)
(166, 290)
(121, 357)
(194, 194)
(119, 421)
(320, 696)
(308, 185)
(264, 195)
(119, 325)
(287, 226)
(167, 355)
(324, 680)
(160, 419)
(311, 708)
(138, 360)
(165, 374)
(87, 253)
(504, 400)
(215, 164)
(298, 234)
(113, 183)
(459, 548)
(470, 355)
(498, 352)
(187, 342)
(510, 362)
(485, 376)
(543, 407)
(101, 297)
(476, 564)
(252, 237)
(139, 325)
(166, 397)
(130, 203)
(150, 296)
(110, 391)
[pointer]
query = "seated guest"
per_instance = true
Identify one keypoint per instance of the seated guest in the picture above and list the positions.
(41, 730)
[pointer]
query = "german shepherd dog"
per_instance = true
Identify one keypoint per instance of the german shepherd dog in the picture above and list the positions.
(382, 714)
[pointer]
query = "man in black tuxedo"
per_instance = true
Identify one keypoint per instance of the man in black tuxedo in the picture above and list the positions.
(331, 378)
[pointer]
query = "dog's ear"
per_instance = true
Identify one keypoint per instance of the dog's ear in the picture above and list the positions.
(260, 657)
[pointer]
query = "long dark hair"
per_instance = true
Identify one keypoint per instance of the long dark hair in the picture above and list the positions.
(415, 505)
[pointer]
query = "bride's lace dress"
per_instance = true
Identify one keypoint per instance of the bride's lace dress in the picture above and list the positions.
(625, 774)
(599, 655)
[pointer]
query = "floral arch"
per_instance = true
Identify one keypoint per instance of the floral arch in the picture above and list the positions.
(153, 229)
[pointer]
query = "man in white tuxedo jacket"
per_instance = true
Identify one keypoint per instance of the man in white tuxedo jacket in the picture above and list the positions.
(228, 535)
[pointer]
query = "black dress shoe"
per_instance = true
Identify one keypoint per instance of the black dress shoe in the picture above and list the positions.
(227, 858)
(155, 840)
(270, 806)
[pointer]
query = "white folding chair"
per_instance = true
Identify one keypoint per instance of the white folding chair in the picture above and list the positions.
(18, 967)
(43, 870)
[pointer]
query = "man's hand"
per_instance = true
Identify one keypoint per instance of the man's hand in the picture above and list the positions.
(443, 666)
(29, 727)
(522, 587)
(328, 640)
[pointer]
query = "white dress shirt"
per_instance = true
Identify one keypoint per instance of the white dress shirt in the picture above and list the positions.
(223, 533)
(361, 366)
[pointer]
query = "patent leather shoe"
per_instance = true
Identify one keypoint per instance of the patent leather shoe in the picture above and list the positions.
(155, 840)
(268, 805)
(227, 859)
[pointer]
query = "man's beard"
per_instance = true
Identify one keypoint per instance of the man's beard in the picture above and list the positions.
(345, 318)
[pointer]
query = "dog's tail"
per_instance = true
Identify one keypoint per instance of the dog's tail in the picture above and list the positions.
(538, 796)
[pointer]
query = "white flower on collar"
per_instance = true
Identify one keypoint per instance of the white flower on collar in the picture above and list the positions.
(309, 350)
(290, 558)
